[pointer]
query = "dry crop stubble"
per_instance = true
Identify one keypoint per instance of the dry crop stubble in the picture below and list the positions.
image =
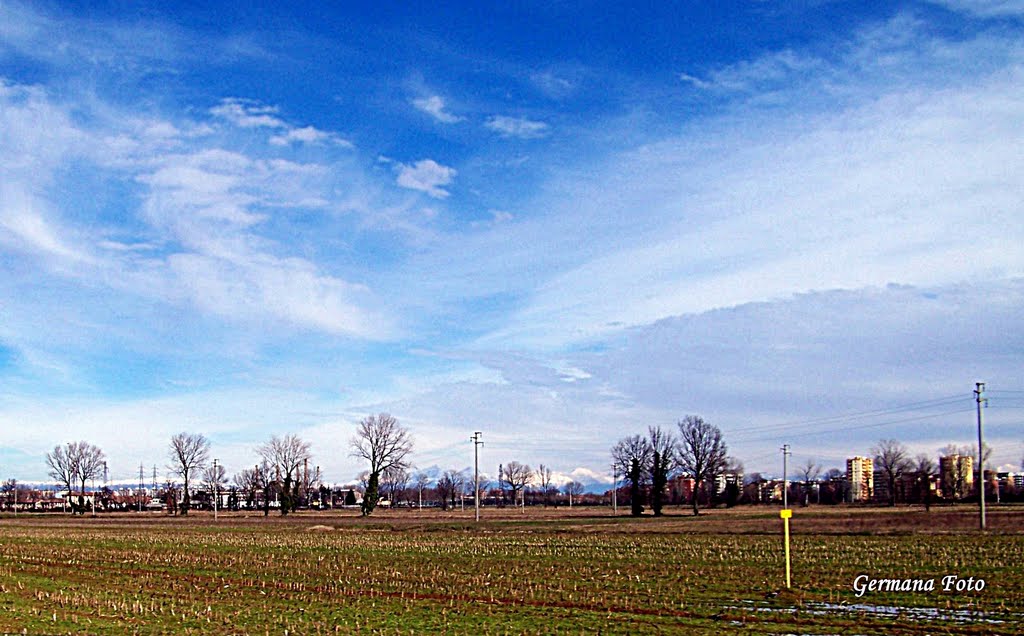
(545, 573)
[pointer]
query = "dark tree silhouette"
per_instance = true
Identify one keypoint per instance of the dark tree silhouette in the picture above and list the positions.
(663, 460)
(189, 453)
(891, 458)
(631, 457)
(702, 452)
(285, 455)
(385, 443)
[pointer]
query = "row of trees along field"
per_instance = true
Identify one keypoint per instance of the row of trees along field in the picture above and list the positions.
(647, 463)
(695, 452)
(281, 472)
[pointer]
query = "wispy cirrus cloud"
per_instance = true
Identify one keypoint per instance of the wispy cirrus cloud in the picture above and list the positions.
(25, 226)
(985, 8)
(201, 212)
(434, 105)
(553, 85)
(248, 113)
(517, 127)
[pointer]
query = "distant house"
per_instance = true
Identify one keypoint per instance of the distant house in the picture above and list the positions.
(74, 497)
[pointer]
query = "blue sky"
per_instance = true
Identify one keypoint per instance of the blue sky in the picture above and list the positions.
(557, 224)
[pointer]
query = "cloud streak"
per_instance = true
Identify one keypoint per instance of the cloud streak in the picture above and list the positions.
(435, 106)
(517, 127)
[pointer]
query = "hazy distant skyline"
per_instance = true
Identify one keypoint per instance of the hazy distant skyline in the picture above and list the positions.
(558, 225)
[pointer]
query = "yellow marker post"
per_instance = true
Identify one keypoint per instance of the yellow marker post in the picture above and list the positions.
(786, 514)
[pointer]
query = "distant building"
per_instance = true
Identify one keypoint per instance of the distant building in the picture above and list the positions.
(860, 478)
(723, 480)
(681, 489)
(956, 473)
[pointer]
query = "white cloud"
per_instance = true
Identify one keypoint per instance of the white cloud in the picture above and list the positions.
(760, 204)
(203, 205)
(517, 127)
(23, 225)
(247, 113)
(696, 81)
(308, 135)
(985, 8)
(427, 176)
(254, 287)
(552, 85)
(435, 107)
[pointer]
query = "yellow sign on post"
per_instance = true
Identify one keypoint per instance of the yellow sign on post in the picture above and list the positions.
(786, 514)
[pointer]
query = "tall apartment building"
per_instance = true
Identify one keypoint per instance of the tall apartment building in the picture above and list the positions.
(860, 477)
(957, 475)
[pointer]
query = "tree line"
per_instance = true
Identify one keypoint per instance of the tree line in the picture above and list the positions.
(379, 439)
(695, 451)
(646, 463)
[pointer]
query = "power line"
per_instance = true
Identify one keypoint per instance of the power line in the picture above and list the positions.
(862, 426)
(943, 401)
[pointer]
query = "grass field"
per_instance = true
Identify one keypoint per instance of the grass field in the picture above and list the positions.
(405, 572)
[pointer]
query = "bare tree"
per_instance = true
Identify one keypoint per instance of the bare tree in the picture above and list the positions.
(517, 476)
(663, 460)
(286, 454)
(63, 463)
(702, 452)
(90, 466)
(189, 453)
(573, 489)
(450, 484)
(891, 458)
(925, 467)
(267, 483)
(421, 481)
(544, 481)
(76, 462)
(248, 481)
(214, 479)
(630, 457)
(395, 481)
(383, 442)
(810, 471)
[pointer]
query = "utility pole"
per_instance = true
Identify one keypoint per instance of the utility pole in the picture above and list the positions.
(476, 471)
(979, 397)
(785, 513)
(142, 487)
(615, 491)
(216, 478)
(785, 479)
